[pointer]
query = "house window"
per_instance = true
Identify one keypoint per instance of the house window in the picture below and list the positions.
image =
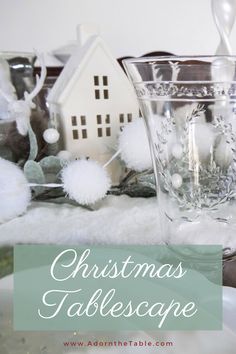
(122, 118)
(99, 132)
(101, 87)
(125, 118)
(83, 120)
(104, 122)
(97, 94)
(106, 94)
(84, 134)
(75, 134)
(108, 131)
(74, 121)
(105, 80)
(96, 80)
(78, 131)
(104, 125)
(129, 116)
(99, 119)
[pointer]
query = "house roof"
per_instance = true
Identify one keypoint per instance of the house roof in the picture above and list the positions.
(75, 65)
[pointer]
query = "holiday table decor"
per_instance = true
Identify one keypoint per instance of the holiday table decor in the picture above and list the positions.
(91, 101)
(67, 158)
(189, 107)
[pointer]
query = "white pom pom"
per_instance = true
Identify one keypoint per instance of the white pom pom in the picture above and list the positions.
(133, 142)
(14, 191)
(65, 155)
(176, 180)
(51, 136)
(85, 181)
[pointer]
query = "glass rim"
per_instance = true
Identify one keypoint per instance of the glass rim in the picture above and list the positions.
(182, 59)
(184, 82)
(198, 61)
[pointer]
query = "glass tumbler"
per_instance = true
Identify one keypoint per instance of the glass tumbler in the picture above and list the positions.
(189, 106)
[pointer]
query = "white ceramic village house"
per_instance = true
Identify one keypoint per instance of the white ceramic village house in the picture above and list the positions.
(92, 100)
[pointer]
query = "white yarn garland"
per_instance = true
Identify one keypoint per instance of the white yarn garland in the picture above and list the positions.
(85, 181)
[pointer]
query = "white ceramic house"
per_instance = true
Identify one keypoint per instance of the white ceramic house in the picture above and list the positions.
(92, 100)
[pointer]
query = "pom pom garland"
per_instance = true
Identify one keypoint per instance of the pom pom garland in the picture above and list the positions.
(51, 136)
(14, 191)
(134, 146)
(85, 181)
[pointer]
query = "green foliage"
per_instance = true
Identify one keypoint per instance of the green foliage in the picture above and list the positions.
(34, 174)
(33, 144)
(51, 164)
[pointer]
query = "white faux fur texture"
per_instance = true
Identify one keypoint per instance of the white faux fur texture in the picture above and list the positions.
(117, 220)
